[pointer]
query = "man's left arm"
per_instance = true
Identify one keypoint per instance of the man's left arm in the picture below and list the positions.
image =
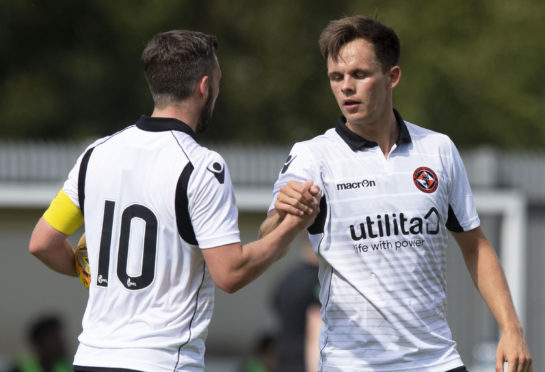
(485, 270)
(52, 248)
(49, 242)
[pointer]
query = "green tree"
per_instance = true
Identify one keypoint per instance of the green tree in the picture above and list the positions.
(470, 69)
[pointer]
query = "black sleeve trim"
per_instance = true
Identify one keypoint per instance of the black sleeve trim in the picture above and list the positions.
(318, 225)
(181, 205)
(81, 178)
(452, 222)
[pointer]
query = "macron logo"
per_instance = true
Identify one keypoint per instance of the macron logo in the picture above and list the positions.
(287, 164)
(356, 185)
(218, 170)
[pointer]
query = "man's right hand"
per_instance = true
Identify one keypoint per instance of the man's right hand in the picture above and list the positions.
(298, 199)
(302, 220)
(295, 200)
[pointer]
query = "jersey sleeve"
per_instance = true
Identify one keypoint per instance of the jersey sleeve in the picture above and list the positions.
(212, 206)
(300, 166)
(71, 184)
(63, 214)
(462, 214)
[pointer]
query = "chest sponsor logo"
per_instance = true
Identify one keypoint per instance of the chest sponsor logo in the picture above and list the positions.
(425, 179)
(392, 232)
(218, 170)
(396, 224)
(363, 184)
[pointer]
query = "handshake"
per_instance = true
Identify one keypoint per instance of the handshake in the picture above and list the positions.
(296, 205)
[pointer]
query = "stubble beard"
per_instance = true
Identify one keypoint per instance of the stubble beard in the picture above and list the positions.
(206, 114)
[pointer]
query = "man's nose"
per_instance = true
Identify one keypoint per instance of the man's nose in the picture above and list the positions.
(347, 86)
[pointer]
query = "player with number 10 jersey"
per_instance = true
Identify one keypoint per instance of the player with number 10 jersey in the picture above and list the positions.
(142, 246)
(160, 222)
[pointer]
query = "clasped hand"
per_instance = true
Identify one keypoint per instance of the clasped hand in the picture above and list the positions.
(298, 199)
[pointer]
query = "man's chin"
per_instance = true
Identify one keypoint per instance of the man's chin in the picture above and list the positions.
(362, 117)
(354, 118)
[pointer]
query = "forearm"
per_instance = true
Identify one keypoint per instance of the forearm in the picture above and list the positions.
(274, 218)
(60, 259)
(312, 333)
(52, 248)
(488, 276)
(233, 266)
(257, 256)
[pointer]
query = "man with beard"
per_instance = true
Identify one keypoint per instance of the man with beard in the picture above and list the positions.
(160, 221)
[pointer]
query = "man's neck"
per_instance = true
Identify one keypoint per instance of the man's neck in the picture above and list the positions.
(384, 132)
(184, 111)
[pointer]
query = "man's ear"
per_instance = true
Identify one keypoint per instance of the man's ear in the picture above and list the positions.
(394, 75)
(202, 87)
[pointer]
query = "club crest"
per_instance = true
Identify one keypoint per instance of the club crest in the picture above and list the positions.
(425, 179)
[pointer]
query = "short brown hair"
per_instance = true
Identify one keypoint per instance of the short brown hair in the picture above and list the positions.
(175, 60)
(344, 30)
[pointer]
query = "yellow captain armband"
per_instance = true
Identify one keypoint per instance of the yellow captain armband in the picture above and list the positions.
(63, 214)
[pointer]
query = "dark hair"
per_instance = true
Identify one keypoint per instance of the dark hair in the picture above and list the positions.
(40, 328)
(344, 30)
(175, 60)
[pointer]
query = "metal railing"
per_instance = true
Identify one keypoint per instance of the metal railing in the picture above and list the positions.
(257, 166)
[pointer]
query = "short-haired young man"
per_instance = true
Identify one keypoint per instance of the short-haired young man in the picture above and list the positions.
(160, 222)
(391, 190)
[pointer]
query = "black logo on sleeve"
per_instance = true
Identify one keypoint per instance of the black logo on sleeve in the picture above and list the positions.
(425, 179)
(287, 164)
(218, 170)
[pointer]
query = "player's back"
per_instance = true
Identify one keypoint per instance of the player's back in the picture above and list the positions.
(150, 295)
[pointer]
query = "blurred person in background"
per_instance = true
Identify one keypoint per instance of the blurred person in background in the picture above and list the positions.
(161, 222)
(264, 356)
(391, 191)
(49, 351)
(296, 304)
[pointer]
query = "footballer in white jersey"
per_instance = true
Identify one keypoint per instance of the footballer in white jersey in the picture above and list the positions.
(150, 292)
(161, 230)
(390, 192)
(160, 222)
(381, 237)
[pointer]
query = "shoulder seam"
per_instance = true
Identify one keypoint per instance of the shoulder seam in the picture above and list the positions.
(106, 139)
(180, 146)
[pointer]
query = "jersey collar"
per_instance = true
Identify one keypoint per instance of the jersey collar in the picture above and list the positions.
(153, 124)
(356, 142)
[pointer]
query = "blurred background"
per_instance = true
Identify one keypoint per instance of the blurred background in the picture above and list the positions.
(71, 72)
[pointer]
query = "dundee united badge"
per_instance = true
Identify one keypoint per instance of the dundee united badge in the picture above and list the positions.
(425, 179)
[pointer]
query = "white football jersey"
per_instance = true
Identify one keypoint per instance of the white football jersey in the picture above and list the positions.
(152, 198)
(381, 237)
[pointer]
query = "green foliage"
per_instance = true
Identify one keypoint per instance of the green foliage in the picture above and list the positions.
(471, 69)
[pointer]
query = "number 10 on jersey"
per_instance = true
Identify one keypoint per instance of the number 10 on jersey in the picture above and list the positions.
(149, 246)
